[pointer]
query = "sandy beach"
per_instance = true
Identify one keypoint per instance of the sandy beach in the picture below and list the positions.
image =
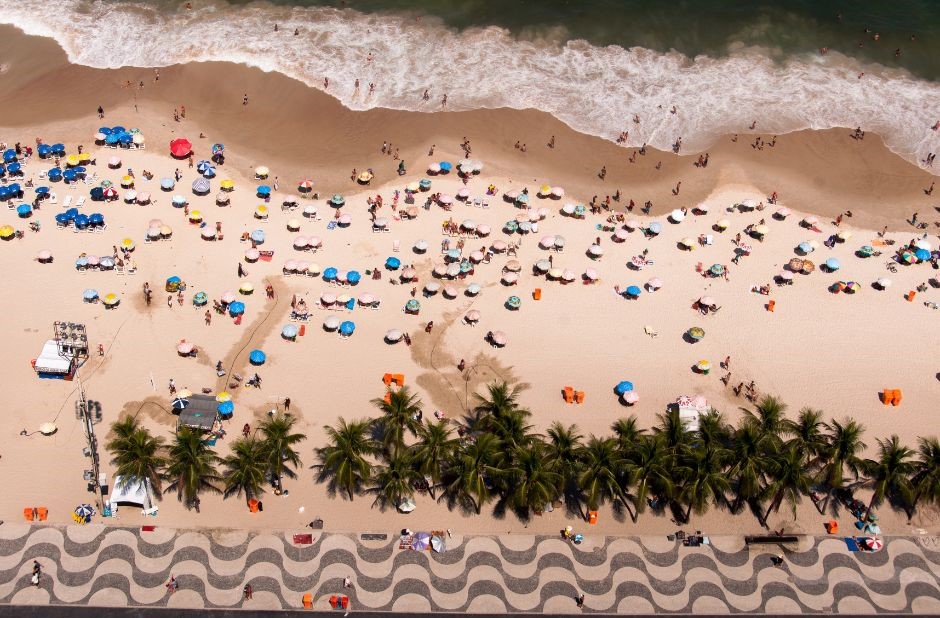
(835, 352)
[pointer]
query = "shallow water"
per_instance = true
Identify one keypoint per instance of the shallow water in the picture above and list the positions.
(592, 64)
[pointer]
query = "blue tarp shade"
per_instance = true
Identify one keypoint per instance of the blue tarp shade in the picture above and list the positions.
(851, 544)
(174, 279)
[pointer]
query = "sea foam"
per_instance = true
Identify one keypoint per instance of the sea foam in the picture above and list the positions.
(595, 90)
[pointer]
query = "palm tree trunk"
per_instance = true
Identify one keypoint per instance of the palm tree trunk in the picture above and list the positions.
(871, 503)
(688, 513)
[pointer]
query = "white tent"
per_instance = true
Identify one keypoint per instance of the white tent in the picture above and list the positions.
(50, 361)
(133, 491)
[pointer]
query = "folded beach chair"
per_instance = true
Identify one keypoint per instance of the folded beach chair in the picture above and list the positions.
(53, 199)
(67, 202)
(80, 201)
(568, 393)
(649, 330)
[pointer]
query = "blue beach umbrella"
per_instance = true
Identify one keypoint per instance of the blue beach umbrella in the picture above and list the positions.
(4, 193)
(226, 408)
(393, 263)
(43, 150)
(329, 274)
(236, 308)
(42, 190)
(174, 280)
(353, 276)
(337, 200)
(656, 227)
(14, 168)
(9, 156)
(62, 218)
(70, 175)
(97, 194)
(105, 130)
(58, 149)
(514, 302)
(634, 291)
(623, 387)
(24, 210)
(347, 328)
(3, 170)
(180, 403)
(111, 138)
(125, 138)
(15, 190)
(55, 174)
(833, 264)
(257, 357)
(264, 190)
(258, 236)
(71, 213)
(446, 166)
(96, 218)
(922, 255)
(81, 221)
(118, 129)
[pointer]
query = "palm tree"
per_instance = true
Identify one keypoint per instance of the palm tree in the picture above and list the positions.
(512, 429)
(399, 414)
(137, 455)
(889, 474)
(842, 453)
(628, 432)
(926, 478)
(500, 400)
(475, 468)
(343, 460)
(278, 446)
(675, 435)
(395, 481)
(768, 415)
(750, 451)
(789, 479)
(532, 480)
(564, 452)
(435, 447)
(649, 466)
(192, 467)
(713, 431)
(602, 471)
(808, 437)
(245, 468)
(705, 481)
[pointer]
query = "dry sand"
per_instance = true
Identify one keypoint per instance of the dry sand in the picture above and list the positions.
(830, 351)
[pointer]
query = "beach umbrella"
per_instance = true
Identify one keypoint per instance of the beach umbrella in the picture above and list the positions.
(153, 232)
(786, 275)
(180, 147)
(706, 301)
(884, 283)
(421, 246)
(473, 289)
(696, 333)
(301, 242)
(201, 186)
(223, 396)
(327, 298)
(408, 274)
(138, 139)
(180, 403)
(555, 273)
(58, 149)
(337, 200)
(760, 230)
(353, 276)
(452, 254)
(688, 243)
(312, 268)
(207, 233)
(289, 331)
(557, 192)
(804, 247)
(218, 148)
(258, 236)
(412, 306)
(185, 347)
(392, 263)
(523, 198)
(366, 299)
(347, 328)
(634, 291)
(407, 505)
(344, 220)
(923, 243)
(783, 213)
(251, 255)
(257, 357)
(424, 184)
(293, 225)
(263, 191)
(446, 166)
(305, 186)
(852, 287)
(866, 251)
(833, 264)
(106, 262)
(90, 294)
(236, 308)
(330, 273)
(677, 215)
(84, 511)
(844, 235)
(810, 221)
(621, 234)
(202, 166)
(43, 150)
(717, 270)
(808, 267)
(310, 211)
(874, 543)
(514, 302)
(167, 184)
(110, 192)
(547, 242)
(227, 185)
(393, 335)
(655, 283)
(722, 224)
(453, 270)
(704, 366)
(596, 250)
(7, 232)
(62, 218)
(921, 254)
(510, 278)
(655, 227)
(261, 212)
(567, 275)
(631, 397)
(200, 299)
(143, 197)
(472, 316)
(24, 210)
(499, 338)
(432, 287)
(365, 177)
(567, 209)
(623, 386)
(476, 256)
(542, 266)
(195, 216)
(111, 300)
(226, 408)
(290, 266)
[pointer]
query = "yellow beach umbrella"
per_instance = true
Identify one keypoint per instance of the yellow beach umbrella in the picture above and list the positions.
(761, 230)
(110, 300)
(195, 216)
(223, 397)
(85, 157)
(365, 177)
(844, 235)
(723, 224)
(704, 366)
(246, 288)
(72, 160)
(183, 393)
(127, 243)
(687, 242)
(127, 181)
(545, 190)
(262, 171)
(227, 184)
(7, 231)
(414, 187)
(261, 212)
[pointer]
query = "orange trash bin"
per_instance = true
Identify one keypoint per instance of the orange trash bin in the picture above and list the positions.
(308, 600)
(592, 517)
(771, 304)
(579, 396)
(303, 330)
(537, 294)
(253, 505)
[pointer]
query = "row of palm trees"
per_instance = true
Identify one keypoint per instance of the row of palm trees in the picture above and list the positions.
(493, 455)
(188, 465)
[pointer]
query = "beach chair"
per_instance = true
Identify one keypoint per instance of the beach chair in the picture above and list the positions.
(29, 513)
(67, 202)
(42, 513)
(649, 330)
(80, 201)
(42, 174)
(579, 397)
(53, 199)
(568, 393)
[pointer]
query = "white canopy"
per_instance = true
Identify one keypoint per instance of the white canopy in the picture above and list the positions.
(49, 360)
(130, 491)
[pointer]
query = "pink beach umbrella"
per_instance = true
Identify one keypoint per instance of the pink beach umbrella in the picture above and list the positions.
(434, 168)
(445, 199)
(631, 397)
(327, 299)
(453, 270)
(440, 270)
(498, 246)
(811, 220)
(472, 316)
(207, 233)
(44, 255)
(534, 216)
(252, 255)
(621, 234)
(301, 242)
(450, 291)
(342, 275)
(483, 230)
(547, 242)
(314, 242)
(632, 224)
(366, 299)
(567, 275)
(185, 348)
(558, 192)
(655, 283)
(510, 278)
(408, 274)
(302, 266)
(114, 162)
(463, 193)
(228, 297)
(590, 274)
(155, 223)
(499, 338)
(511, 195)
(290, 266)
(153, 231)
(143, 198)
(707, 301)
(93, 260)
(476, 257)
(345, 220)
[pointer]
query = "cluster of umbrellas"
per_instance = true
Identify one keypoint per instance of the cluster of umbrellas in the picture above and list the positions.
(119, 136)
(332, 273)
(301, 267)
(81, 221)
(344, 327)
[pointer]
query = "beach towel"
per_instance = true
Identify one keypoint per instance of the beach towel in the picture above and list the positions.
(331, 225)
(303, 539)
(851, 544)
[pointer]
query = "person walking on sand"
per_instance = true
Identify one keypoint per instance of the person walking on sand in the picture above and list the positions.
(430, 326)
(169, 301)
(580, 600)
(247, 591)
(461, 365)
(287, 404)
(100, 112)
(172, 386)
(172, 585)
(603, 173)
(245, 99)
(678, 186)
(208, 318)
(444, 101)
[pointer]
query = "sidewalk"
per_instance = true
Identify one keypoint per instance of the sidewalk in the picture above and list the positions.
(108, 566)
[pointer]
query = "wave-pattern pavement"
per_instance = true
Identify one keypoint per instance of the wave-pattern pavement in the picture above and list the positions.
(98, 565)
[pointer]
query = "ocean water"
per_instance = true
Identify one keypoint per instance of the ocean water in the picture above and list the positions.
(593, 64)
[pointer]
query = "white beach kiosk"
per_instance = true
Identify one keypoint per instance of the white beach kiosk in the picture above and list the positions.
(130, 492)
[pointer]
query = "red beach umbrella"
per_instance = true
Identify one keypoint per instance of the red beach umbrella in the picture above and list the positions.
(181, 147)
